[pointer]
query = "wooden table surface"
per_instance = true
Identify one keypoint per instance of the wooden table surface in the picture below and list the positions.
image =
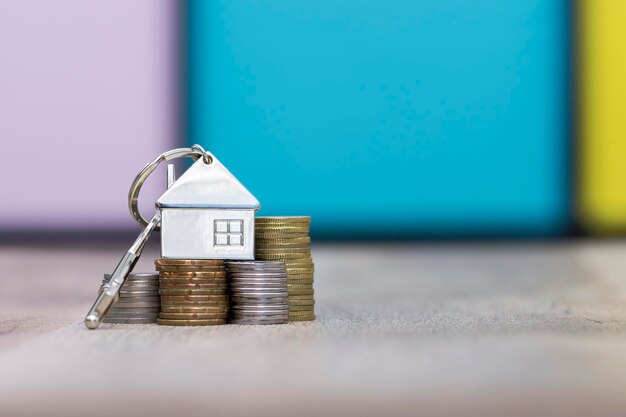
(473, 329)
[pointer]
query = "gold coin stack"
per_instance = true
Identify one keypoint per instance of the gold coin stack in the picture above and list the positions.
(194, 292)
(287, 239)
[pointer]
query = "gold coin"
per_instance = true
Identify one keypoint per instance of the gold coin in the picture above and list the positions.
(193, 316)
(194, 298)
(306, 219)
(310, 302)
(283, 248)
(300, 297)
(204, 322)
(192, 309)
(299, 271)
(194, 304)
(302, 318)
(304, 231)
(192, 268)
(183, 292)
(307, 282)
(188, 262)
(194, 286)
(195, 274)
(281, 256)
(292, 292)
(300, 307)
(279, 242)
(291, 277)
(299, 286)
(306, 250)
(182, 281)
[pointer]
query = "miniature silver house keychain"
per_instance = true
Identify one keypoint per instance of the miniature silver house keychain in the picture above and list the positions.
(205, 214)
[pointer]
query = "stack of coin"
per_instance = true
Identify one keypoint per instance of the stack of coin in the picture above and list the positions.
(287, 239)
(258, 292)
(139, 300)
(194, 292)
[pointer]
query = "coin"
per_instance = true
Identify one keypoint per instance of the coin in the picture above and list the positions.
(194, 304)
(293, 308)
(193, 316)
(137, 294)
(288, 249)
(118, 309)
(137, 305)
(308, 282)
(192, 281)
(128, 321)
(152, 298)
(282, 242)
(301, 302)
(204, 291)
(136, 276)
(291, 286)
(194, 298)
(194, 309)
(188, 262)
(114, 315)
(257, 322)
(302, 318)
(263, 219)
(193, 274)
(300, 292)
(299, 313)
(196, 286)
(203, 322)
(192, 268)
(280, 256)
(300, 297)
(258, 317)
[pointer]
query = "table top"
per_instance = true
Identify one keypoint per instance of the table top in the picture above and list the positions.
(491, 328)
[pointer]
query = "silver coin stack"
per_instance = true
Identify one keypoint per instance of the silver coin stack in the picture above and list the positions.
(139, 301)
(258, 292)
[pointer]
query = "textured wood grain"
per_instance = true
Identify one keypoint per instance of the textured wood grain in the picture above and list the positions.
(470, 329)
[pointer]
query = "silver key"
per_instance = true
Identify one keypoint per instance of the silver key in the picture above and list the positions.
(109, 293)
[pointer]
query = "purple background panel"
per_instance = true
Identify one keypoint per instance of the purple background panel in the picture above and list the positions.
(88, 96)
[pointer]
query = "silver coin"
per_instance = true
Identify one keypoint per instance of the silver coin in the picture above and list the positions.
(138, 293)
(137, 305)
(148, 299)
(137, 276)
(266, 289)
(116, 309)
(256, 322)
(259, 314)
(260, 317)
(274, 270)
(266, 294)
(259, 279)
(132, 315)
(260, 300)
(128, 321)
(261, 284)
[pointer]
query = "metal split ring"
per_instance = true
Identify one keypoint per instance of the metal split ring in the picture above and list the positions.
(195, 152)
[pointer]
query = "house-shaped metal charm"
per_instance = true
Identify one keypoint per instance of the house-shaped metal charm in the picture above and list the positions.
(207, 214)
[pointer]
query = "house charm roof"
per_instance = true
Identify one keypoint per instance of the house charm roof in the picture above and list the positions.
(208, 186)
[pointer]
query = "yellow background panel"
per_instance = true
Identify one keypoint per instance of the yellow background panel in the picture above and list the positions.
(603, 112)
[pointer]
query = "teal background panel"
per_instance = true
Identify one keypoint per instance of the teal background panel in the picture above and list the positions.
(388, 119)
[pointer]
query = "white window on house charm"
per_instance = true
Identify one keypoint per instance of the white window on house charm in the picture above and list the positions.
(228, 233)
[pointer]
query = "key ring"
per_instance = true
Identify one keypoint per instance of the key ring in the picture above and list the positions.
(195, 152)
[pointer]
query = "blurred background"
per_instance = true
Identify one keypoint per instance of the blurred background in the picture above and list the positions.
(380, 120)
